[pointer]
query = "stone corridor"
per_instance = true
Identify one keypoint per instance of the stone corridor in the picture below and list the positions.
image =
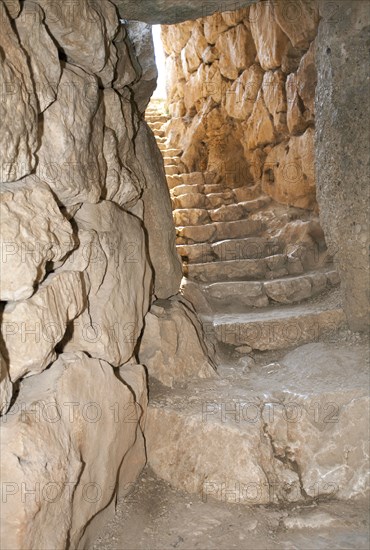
(184, 283)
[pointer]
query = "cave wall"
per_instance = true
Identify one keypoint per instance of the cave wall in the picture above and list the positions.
(87, 243)
(241, 88)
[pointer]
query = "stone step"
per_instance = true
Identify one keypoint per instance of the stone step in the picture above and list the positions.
(216, 200)
(247, 249)
(170, 160)
(186, 189)
(155, 126)
(189, 200)
(196, 253)
(275, 433)
(171, 170)
(159, 133)
(162, 147)
(238, 270)
(161, 139)
(174, 152)
(219, 231)
(156, 118)
(236, 296)
(190, 216)
(280, 327)
(173, 181)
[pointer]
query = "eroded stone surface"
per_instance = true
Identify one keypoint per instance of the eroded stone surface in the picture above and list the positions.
(30, 236)
(18, 107)
(294, 442)
(172, 345)
(49, 444)
(121, 277)
(32, 328)
(71, 153)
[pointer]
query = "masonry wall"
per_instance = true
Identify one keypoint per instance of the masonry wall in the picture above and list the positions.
(241, 88)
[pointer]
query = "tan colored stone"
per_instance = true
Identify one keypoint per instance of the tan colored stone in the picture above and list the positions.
(259, 130)
(157, 217)
(30, 236)
(18, 107)
(274, 96)
(233, 18)
(237, 51)
(289, 172)
(124, 179)
(119, 295)
(319, 422)
(214, 25)
(241, 96)
(190, 59)
(190, 216)
(300, 89)
(127, 70)
(174, 37)
(42, 53)
(172, 346)
(83, 30)
(299, 20)
(12, 6)
(71, 152)
(271, 42)
(59, 443)
(175, 79)
(6, 387)
(32, 328)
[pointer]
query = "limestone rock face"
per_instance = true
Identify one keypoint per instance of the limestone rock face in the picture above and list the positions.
(157, 217)
(259, 129)
(142, 48)
(171, 346)
(18, 107)
(271, 42)
(274, 96)
(12, 6)
(6, 388)
(243, 92)
(237, 51)
(120, 289)
(124, 179)
(42, 53)
(30, 236)
(299, 20)
(32, 328)
(84, 30)
(60, 442)
(342, 112)
(303, 432)
(288, 172)
(71, 152)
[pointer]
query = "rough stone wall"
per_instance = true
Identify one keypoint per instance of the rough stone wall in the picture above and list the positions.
(342, 147)
(241, 89)
(82, 257)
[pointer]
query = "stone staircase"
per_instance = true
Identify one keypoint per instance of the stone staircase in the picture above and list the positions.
(258, 283)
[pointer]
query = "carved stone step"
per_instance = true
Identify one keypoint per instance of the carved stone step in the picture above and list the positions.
(278, 327)
(219, 231)
(240, 445)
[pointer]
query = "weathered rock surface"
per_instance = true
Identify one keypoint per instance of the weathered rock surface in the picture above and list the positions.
(30, 236)
(120, 289)
(172, 346)
(237, 51)
(303, 439)
(32, 328)
(289, 172)
(342, 159)
(58, 445)
(18, 107)
(71, 153)
(6, 388)
(84, 31)
(124, 178)
(41, 51)
(158, 217)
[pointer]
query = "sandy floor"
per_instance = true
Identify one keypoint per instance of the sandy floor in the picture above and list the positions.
(156, 517)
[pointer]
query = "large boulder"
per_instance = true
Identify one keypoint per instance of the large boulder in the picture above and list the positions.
(18, 107)
(119, 278)
(62, 449)
(158, 217)
(172, 345)
(30, 236)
